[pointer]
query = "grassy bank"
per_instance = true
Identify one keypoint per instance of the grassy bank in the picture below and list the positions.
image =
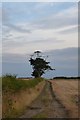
(18, 94)
(12, 84)
(0, 83)
(0, 97)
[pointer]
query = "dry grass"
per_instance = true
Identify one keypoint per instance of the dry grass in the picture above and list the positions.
(0, 97)
(67, 92)
(19, 101)
(0, 107)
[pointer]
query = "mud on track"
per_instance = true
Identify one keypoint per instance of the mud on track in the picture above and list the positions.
(46, 105)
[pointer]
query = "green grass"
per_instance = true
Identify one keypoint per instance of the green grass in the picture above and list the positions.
(11, 83)
(40, 115)
(0, 84)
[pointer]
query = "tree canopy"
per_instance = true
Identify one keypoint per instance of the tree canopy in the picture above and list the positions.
(40, 65)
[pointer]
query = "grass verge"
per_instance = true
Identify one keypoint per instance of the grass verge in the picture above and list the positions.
(18, 94)
(12, 84)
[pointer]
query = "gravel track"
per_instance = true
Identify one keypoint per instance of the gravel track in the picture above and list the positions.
(46, 104)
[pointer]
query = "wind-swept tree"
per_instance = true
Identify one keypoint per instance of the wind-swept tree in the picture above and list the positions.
(40, 65)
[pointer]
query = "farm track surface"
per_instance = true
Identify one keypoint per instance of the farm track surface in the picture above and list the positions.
(46, 104)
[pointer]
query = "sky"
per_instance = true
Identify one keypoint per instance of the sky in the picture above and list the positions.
(50, 27)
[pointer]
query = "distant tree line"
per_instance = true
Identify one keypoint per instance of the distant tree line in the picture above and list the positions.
(62, 77)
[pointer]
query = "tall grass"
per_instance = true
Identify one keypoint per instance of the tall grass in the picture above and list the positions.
(11, 83)
(0, 83)
(10, 86)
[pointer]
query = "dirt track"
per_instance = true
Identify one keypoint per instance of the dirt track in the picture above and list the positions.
(46, 105)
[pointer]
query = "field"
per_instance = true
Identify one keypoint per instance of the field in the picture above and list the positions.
(67, 92)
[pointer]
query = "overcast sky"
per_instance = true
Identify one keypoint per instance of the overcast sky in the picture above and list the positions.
(48, 26)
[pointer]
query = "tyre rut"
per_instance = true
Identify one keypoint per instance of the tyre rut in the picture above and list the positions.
(46, 103)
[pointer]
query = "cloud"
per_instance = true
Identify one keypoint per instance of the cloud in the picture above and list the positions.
(44, 27)
(55, 21)
(23, 43)
(64, 54)
(7, 25)
(17, 28)
(12, 27)
(69, 29)
(13, 58)
(65, 61)
(52, 31)
(40, 1)
(28, 46)
(47, 40)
